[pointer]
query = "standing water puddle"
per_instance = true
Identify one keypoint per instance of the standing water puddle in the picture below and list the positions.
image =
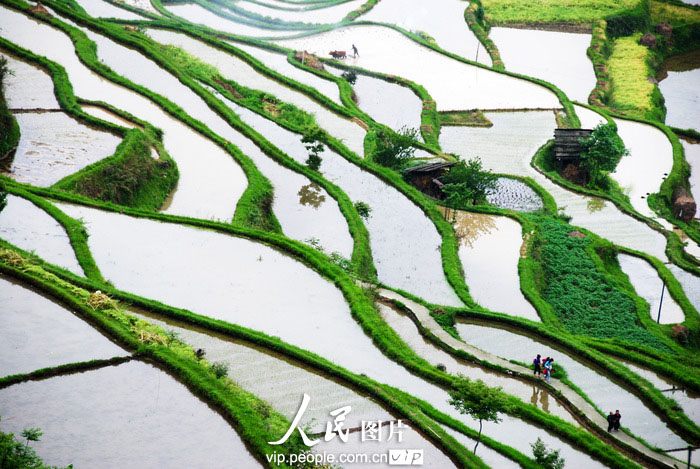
(489, 248)
(605, 394)
(648, 285)
(557, 57)
(38, 333)
(130, 415)
(30, 228)
(454, 85)
(443, 20)
(210, 182)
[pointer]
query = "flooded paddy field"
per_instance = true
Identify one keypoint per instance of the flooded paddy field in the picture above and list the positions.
(33, 230)
(557, 57)
(113, 411)
(363, 300)
(197, 14)
(678, 82)
(54, 145)
(39, 333)
(454, 85)
(442, 20)
(489, 248)
(103, 9)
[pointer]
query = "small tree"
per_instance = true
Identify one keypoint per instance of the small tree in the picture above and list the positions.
(350, 76)
(32, 434)
(315, 147)
(363, 209)
(394, 149)
(546, 458)
(477, 400)
(220, 369)
(601, 152)
(467, 183)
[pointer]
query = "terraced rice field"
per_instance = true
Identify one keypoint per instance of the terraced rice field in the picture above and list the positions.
(216, 251)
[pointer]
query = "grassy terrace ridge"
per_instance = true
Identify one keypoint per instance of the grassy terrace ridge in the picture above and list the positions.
(9, 129)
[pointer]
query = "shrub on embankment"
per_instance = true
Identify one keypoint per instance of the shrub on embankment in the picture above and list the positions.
(130, 177)
(9, 129)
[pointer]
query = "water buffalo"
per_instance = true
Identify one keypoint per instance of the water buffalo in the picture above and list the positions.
(338, 54)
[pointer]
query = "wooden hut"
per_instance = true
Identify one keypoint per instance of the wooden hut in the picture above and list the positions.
(426, 177)
(567, 149)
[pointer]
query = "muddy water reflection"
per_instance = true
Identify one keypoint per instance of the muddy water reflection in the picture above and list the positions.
(53, 145)
(605, 394)
(648, 285)
(30, 228)
(38, 333)
(489, 248)
(131, 415)
(210, 183)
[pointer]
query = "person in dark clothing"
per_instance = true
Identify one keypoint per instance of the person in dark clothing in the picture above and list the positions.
(537, 364)
(611, 421)
(616, 420)
(355, 53)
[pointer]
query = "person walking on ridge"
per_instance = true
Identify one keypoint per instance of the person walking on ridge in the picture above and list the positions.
(537, 365)
(611, 421)
(355, 53)
(616, 421)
